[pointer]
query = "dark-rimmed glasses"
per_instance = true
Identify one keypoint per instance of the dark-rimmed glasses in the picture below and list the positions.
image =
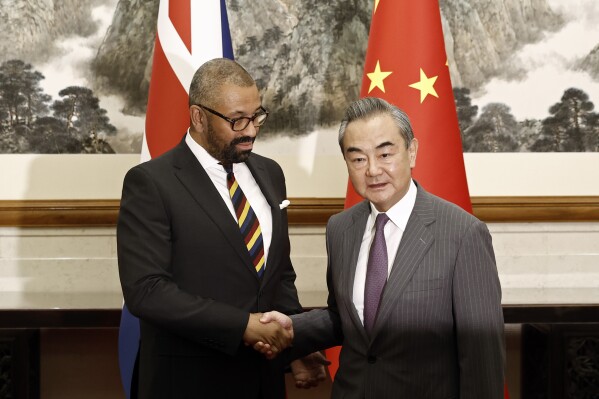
(239, 124)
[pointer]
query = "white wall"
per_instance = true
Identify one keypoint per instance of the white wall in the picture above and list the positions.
(537, 263)
(313, 167)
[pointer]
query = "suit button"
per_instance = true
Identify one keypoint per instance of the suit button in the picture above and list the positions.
(371, 359)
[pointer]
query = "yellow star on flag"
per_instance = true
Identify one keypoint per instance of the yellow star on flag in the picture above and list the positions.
(377, 77)
(376, 4)
(425, 85)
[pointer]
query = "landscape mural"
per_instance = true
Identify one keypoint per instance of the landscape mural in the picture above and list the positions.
(74, 74)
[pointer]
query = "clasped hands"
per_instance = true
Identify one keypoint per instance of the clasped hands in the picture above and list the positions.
(269, 333)
(272, 332)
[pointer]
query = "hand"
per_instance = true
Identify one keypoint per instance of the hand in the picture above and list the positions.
(272, 334)
(309, 371)
(284, 321)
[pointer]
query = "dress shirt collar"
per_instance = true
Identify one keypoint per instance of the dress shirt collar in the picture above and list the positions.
(206, 160)
(401, 211)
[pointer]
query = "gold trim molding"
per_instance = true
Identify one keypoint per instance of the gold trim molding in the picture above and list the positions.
(302, 211)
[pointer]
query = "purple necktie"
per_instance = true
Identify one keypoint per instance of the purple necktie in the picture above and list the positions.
(376, 273)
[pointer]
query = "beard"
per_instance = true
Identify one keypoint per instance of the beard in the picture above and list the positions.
(225, 152)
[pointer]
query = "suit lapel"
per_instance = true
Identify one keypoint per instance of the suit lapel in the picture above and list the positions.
(415, 242)
(352, 241)
(192, 175)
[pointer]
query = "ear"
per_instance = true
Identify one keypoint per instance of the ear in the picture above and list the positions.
(197, 117)
(412, 152)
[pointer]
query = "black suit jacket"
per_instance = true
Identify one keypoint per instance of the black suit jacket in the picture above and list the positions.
(187, 275)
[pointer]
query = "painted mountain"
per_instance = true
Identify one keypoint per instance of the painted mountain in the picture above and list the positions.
(515, 64)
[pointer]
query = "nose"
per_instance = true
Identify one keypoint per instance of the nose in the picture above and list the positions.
(250, 130)
(373, 168)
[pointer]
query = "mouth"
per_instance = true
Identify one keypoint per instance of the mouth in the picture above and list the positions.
(244, 143)
(377, 186)
(245, 147)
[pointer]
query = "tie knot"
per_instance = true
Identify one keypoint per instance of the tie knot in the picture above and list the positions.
(381, 220)
(228, 168)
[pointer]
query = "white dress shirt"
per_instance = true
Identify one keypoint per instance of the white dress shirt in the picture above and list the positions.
(398, 215)
(246, 181)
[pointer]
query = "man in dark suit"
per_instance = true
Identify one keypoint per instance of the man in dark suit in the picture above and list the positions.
(414, 295)
(191, 269)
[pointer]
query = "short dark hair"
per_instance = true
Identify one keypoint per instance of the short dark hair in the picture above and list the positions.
(211, 75)
(370, 106)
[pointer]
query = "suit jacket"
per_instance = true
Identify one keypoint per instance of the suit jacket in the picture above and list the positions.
(439, 327)
(186, 273)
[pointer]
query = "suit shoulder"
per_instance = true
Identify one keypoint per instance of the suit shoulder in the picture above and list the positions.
(160, 162)
(347, 216)
(443, 206)
(450, 215)
(156, 169)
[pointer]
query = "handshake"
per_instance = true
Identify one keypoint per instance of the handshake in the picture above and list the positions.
(272, 332)
(269, 333)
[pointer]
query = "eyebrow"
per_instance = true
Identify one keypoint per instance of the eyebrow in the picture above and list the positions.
(378, 147)
(385, 144)
(241, 113)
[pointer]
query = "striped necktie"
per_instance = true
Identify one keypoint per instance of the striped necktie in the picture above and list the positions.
(247, 220)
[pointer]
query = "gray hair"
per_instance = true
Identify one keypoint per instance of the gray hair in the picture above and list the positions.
(367, 107)
(204, 88)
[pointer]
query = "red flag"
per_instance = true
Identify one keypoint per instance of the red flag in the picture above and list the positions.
(180, 48)
(406, 65)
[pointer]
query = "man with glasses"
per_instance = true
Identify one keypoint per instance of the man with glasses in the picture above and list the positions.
(203, 250)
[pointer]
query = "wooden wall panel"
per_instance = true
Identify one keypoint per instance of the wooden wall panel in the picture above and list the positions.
(302, 211)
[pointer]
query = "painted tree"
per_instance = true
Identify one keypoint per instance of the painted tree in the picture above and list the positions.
(571, 126)
(83, 118)
(494, 131)
(49, 136)
(466, 111)
(529, 133)
(591, 138)
(21, 97)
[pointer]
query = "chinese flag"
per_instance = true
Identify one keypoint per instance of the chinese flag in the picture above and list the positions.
(406, 65)
(180, 48)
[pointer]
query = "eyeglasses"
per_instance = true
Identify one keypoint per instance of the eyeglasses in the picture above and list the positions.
(239, 124)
